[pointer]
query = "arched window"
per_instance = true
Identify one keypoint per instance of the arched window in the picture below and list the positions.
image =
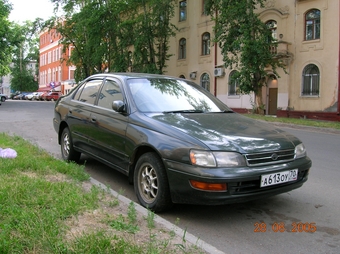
(272, 26)
(182, 76)
(182, 10)
(205, 81)
(233, 84)
(312, 20)
(182, 48)
(310, 80)
(206, 44)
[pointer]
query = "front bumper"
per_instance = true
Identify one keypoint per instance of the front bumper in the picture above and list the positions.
(243, 184)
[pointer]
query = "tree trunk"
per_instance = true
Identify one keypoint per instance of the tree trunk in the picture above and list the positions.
(260, 107)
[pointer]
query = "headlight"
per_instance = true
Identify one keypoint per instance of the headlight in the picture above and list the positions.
(219, 159)
(300, 151)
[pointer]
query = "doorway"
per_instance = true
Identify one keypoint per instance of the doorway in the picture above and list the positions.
(272, 103)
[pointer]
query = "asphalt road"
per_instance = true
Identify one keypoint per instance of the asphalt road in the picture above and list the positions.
(253, 227)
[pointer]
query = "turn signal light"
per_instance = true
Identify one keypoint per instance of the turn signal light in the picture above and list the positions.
(208, 186)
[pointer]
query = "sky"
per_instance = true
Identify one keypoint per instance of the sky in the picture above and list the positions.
(23, 10)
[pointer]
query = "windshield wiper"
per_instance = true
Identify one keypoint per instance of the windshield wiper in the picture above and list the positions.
(184, 111)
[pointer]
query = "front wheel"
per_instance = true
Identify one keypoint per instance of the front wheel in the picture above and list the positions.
(67, 150)
(151, 183)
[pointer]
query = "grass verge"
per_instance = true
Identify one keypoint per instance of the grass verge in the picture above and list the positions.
(49, 206)
(296, 121)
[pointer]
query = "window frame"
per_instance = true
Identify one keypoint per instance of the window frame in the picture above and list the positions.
(205, 81)
(314, 23)
(233, 83)
(310, 81)
(182, 50)
(206, 44)
(182, 10)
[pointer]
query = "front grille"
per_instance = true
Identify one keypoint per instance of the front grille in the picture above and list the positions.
(267, 158)
(246, 187)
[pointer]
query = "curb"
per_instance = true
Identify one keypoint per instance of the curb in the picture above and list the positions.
(171, 227)
(303, 127)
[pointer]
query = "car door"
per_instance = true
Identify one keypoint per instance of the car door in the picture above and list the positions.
(79, 113)
(108, 136)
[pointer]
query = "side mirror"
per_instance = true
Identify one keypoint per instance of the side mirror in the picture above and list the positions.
(118, 106)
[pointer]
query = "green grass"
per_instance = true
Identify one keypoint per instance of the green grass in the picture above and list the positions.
(304, 122)
(43, 201)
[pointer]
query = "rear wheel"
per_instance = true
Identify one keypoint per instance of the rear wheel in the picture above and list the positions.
(67, 150)
(151, 183)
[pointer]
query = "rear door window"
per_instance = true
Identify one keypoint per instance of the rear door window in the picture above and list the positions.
(110, 92)
(89, 91)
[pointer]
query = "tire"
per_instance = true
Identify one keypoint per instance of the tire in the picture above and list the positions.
(3, 99)
(66, 145)
(151, 183)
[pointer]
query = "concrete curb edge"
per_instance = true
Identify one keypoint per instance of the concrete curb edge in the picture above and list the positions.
(180, 232)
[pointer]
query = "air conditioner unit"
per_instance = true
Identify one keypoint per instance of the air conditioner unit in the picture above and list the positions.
(193, 75)
(219, 72)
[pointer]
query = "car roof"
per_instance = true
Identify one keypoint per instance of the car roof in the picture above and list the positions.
(127, 75)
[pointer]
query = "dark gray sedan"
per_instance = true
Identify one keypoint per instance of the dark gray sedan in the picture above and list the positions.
(176, 142)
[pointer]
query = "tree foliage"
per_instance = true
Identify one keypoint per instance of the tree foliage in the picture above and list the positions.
(26, 51)
(115, 35)
(6, 38)
(245, 42)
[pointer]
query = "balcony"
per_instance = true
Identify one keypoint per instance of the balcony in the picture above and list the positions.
(281, 53)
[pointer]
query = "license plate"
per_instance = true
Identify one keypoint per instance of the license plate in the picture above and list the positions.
(280, 177)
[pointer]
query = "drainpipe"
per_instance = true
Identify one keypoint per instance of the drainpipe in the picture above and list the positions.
(339, 69)
(215, 62)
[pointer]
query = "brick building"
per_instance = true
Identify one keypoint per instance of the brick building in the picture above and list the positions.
(54, 73)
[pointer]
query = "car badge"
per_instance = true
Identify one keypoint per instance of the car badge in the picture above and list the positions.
(274, 156)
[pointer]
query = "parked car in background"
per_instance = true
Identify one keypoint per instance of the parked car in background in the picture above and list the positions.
(3, 97)
(51, 96)
(176, 142)
(37, 95)
(20, 96)
(29, 96)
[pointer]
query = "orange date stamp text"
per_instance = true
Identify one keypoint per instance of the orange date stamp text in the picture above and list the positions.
(296, 227)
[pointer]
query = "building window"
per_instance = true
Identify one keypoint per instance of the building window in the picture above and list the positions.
(205, 81)
(206, 44)
(182, 10)
(182, 49)
(233, 83)
(204, 11)
(181, 76)
(310, 81)
(272, 26)
(313, 25)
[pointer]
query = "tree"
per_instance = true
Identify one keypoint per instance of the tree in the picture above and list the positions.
(152, 32)
(245, 42)
(115, 35)
(26, 51)
(5, 38)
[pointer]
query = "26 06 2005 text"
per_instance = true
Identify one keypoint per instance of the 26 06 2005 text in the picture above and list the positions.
(296, 227)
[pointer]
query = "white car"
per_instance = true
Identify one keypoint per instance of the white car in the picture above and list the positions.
(3, 97)
(31, 96)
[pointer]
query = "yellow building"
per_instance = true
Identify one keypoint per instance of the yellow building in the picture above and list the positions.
(308, 36)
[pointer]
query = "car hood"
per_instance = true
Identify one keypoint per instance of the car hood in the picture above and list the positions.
(229, 131)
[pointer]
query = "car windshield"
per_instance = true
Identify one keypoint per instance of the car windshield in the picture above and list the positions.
(172, 96)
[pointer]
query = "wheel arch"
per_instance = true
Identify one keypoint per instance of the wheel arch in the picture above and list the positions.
(62, 126)
(143, 149)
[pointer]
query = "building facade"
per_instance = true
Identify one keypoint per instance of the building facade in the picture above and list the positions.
(307, 32)
(54, 74)
(5, 81)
